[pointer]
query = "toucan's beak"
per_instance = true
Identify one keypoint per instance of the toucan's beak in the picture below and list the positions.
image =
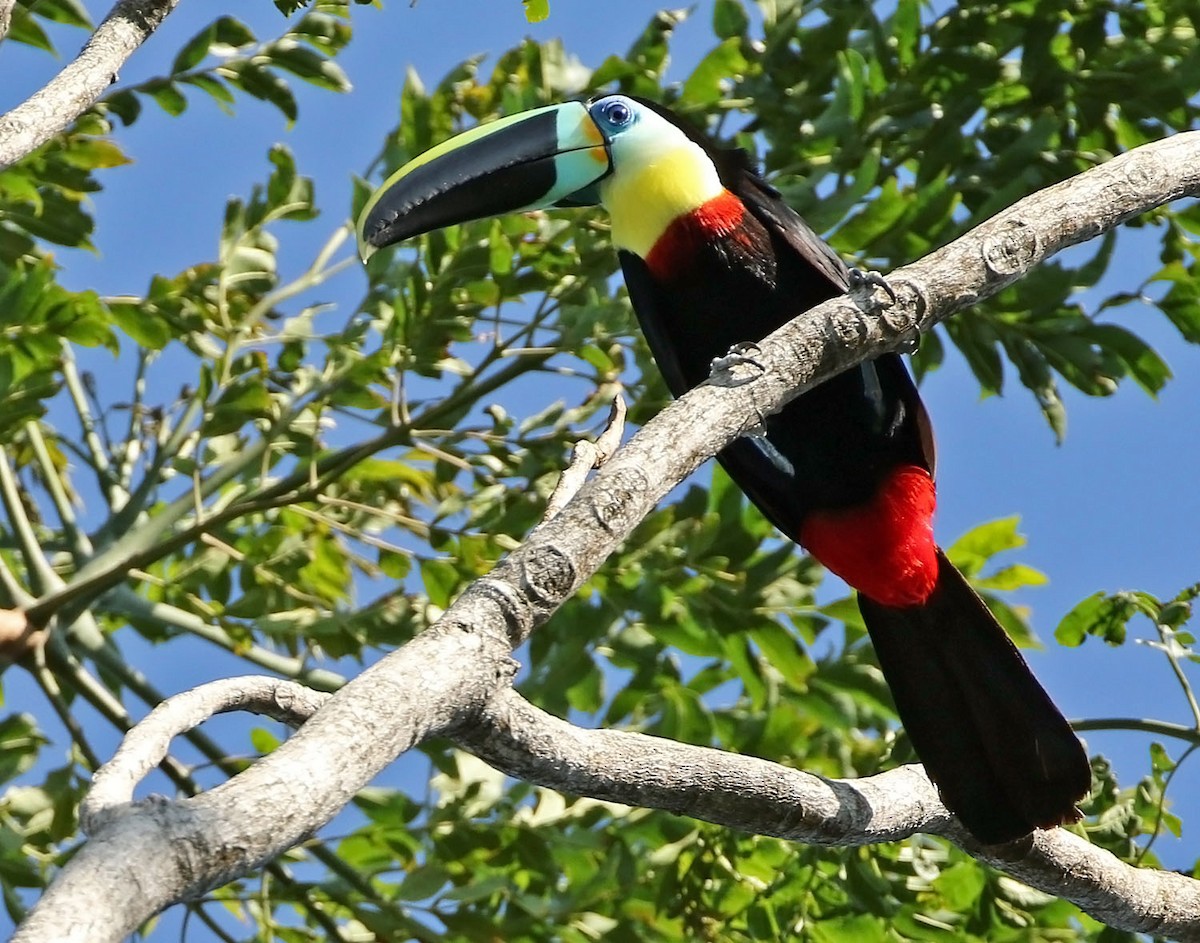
(536, 159)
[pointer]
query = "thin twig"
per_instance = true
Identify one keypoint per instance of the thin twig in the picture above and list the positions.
(66, 665)
(1170, 647)
(131, 448)
(98, 457)
(586, 456)
(37, 566)
(1160, 807)
(1161, 728)
(124, 601)
(198, 909)
(49, 685)
(19, 596)
(81, 547)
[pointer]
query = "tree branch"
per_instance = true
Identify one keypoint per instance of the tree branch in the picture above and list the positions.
(146, 856)
(75, 89)
(146, 745)
(764, 798)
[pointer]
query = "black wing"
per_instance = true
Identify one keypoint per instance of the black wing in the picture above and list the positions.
(884, 376)
(766, 203)
(644, 294)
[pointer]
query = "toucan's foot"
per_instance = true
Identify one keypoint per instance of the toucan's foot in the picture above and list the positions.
(740, 355)
(869, 280)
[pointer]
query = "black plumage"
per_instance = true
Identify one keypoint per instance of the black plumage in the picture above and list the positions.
(1004, 758)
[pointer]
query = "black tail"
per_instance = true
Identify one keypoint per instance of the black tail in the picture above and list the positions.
(1004, 759)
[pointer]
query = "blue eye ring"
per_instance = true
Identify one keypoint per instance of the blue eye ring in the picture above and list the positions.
(616, 112)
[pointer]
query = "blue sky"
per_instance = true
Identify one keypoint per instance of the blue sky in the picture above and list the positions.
(1115, 507)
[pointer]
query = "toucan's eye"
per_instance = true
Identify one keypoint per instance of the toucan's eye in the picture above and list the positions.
(617, 113)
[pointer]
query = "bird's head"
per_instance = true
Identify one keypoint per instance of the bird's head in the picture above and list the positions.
(622, 152)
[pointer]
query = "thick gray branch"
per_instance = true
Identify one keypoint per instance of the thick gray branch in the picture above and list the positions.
(75, 89)
(148, 856)
(764, 798)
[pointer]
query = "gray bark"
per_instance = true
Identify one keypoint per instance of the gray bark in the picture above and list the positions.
(6, 9)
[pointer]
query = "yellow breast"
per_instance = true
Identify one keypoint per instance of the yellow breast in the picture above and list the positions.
(648, 191)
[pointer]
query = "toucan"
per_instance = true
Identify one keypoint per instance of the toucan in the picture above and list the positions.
(714, 258)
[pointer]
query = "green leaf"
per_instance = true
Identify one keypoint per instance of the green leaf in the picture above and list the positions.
(441, 580)
(977, 341)
(1105, 617)
(1035, 374)
(243, 400)
(95, 154)
(263, 740)
(961, 885)
(232, 32)
(67, 12)
(729, 19)
(395, 566)
(308, 65)
(906, 31)
(288, 194)
(1012, 577)
(708, 81)
(146, 328)
(862, 230)
(782, 650)
(857, 928)
(217, 90)
(260, 83)
(536, 10)
(194, 50)
(324, 31)
(1145, 365)
(24, 29)
(422, 883)
(1181, 304)
(974, 548)
(587, 694)
(479, 889)
(20, 743)
(125, 105)
(167, 96)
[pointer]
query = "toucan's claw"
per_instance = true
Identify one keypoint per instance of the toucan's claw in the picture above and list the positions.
(740, 354)
(868, 280)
